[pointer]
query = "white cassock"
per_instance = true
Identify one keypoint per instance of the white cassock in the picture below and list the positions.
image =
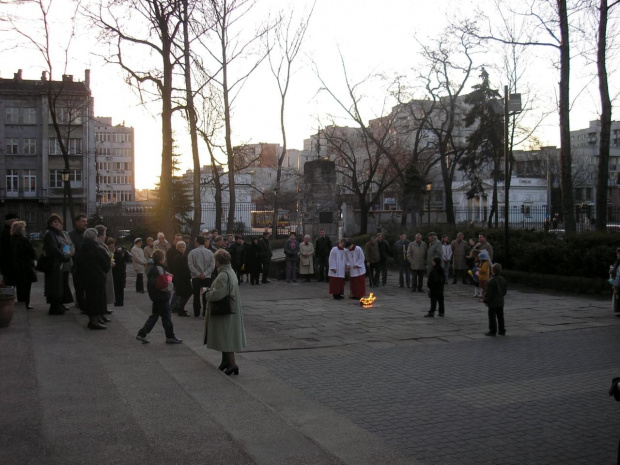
(355, 260)
(337, 262)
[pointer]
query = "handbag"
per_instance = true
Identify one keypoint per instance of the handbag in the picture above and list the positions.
(225, 306)
(44, 263)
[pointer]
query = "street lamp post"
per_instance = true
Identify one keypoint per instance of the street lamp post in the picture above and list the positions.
(512, 104)
(274, 226)
(429, 186)
(66, 176)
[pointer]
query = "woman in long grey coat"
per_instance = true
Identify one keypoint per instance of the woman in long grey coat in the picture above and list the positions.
(225, 333)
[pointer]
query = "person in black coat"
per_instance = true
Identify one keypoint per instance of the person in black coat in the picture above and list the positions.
(6, 255)
(254, 261)
(182, 277)
(322, 249)
(92, 266)
(436, 280)
(119, 272)
(237, 256)
(24, 257)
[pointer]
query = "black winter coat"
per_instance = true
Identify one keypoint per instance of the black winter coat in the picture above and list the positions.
(92, 264)
(23, 260)
(253, 259)
(436, 280)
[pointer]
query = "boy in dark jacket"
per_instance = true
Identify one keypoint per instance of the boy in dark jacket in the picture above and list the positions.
(494, 298)
(436, 280)
(157, 286)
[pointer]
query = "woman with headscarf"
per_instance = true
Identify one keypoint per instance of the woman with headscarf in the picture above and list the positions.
(23, 262)
(59, 250)
(225, 333)
(306, 258)
(92, 265)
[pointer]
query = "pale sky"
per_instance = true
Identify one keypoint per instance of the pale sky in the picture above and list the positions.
(371, 36)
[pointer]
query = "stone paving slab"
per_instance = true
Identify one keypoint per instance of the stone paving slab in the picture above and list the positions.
(322, 381)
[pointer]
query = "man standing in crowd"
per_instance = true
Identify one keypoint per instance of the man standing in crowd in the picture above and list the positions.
(322, 249)
(459, 252)
(373, 260)
(384, 252)
(484, 245)
(400, 256)
(77, 237)
(201, 264)
(161, 243)
(265, 248)
(434, 250)
(416, 255)
(237, 256)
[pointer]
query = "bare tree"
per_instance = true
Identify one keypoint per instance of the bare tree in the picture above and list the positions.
(417, 146)
(450, 64)
(281, 60)
(363, 168)
(549, 17)
(191, 116)
(606, 107)
(159, 23)
(369, 157)
(230, 47)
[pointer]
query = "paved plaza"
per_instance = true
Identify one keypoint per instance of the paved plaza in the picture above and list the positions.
(322, 382)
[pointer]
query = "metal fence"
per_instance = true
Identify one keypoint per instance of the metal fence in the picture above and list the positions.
(537, 217)
(250, 220)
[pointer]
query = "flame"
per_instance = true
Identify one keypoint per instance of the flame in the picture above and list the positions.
(366, 302)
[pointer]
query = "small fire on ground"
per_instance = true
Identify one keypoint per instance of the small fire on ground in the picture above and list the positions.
(366, 302)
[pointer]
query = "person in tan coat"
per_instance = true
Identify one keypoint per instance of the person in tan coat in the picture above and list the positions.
(306, 258)
(416, 255)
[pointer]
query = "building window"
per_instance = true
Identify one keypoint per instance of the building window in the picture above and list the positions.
(122, 137)
(102, 137)
(56, 178)
(30, 181)
(72, 116)
(30, 115)
(75, 146)
(12, 180)
(12, 146)
(30, 146)
(105, 152)
(54, 146)
(12, 115)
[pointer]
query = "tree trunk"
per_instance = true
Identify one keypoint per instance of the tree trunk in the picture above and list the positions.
(363, 216)
(447, 185)
(192, 119)
(603, 157)
(568, 204)
(228, 137)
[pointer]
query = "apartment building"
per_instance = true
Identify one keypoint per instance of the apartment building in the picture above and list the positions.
(114, 159)
(585, 145)
(33, 166)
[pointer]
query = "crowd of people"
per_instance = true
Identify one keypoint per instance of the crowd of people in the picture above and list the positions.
(212, 266)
